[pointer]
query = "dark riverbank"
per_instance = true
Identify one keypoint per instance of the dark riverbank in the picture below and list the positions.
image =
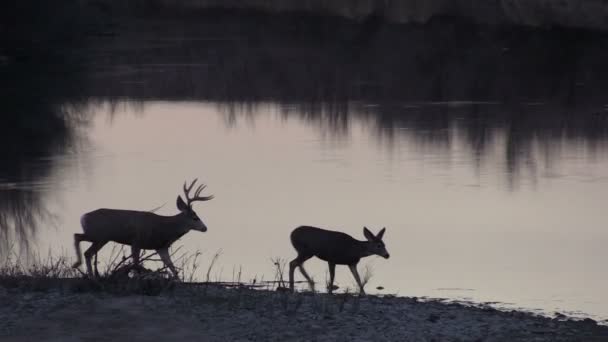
(589, 14)
(215, 313)
(31, 29)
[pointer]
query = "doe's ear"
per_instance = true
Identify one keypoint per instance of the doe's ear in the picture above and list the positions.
(181, 205)
(368, 235)
(381, 233)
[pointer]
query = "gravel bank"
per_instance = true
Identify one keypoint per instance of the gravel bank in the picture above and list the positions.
(219, 314)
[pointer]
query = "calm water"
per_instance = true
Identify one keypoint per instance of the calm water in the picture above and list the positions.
(492, 187)
(457, 228)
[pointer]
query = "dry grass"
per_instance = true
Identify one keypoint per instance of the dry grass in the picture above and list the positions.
(117, 279)
(118, 276)
(39, 274)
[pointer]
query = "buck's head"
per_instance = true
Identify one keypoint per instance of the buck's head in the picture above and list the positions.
(193, 221)
(375, 245)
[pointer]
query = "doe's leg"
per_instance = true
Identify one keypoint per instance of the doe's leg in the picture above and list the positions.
(353, 270)
(308, 278)
(297, 262)
(292, 267)
(332, 274)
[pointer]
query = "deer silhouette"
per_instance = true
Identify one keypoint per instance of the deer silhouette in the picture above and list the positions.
(336, 248)
(139, 229)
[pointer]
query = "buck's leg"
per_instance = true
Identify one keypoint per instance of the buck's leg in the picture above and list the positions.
(89, 253)
(297, 262)
(164, 256)
(332, 274)
(77, 239)
(95, 266)
(135, 252)
(353, 269)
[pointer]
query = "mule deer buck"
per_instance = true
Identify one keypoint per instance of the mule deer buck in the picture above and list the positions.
(334, 247)
(140, 229)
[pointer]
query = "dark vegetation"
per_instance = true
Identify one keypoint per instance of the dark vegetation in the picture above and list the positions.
(116, 276)
(35, 82)
(56, 274)
(40, 70)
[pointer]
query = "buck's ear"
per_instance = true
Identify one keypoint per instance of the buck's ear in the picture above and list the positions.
(381, 233)
(181, 205)
(368, 235)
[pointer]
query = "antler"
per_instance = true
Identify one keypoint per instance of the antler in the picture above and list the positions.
(198, 191)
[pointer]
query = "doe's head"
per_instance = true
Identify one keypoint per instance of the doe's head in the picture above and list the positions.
(195, 223)
(375, 244)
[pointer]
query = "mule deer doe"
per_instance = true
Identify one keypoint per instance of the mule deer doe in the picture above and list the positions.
(334, 247)
(139, 229)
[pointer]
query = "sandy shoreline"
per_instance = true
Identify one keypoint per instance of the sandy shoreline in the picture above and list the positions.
(211, 313)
